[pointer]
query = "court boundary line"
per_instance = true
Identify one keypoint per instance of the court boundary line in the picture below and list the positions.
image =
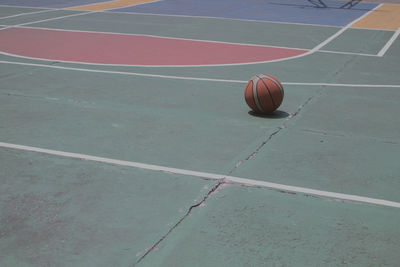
(204, 175)
(193, 78)
(27, 13)
(389, 43)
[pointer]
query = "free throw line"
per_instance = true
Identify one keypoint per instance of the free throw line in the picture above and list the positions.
(205, 175)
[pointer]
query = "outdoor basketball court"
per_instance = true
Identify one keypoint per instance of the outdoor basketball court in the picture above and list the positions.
(125, 139)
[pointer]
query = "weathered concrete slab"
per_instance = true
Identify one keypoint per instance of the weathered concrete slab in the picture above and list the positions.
(56, 211)
(259, 227)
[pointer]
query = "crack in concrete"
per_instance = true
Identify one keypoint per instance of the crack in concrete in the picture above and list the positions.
(283, 126)
(280, 128)
(222, 182)
(155, 246)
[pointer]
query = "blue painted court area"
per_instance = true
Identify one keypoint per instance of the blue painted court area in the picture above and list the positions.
(48, 3)
(294, 11)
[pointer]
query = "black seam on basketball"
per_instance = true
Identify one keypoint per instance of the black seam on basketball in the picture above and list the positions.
(269, 92)
(279, 85)
(274, 80)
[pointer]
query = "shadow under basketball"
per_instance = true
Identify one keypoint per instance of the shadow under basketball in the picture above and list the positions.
(277, 114)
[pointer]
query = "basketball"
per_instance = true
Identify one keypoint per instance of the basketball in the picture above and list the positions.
(263, 93)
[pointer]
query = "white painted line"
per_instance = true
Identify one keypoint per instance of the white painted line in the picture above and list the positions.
(104, 2)
(219, 18)
(334, 36)
(161, 36)
(175, 38)
(29, 7)
(314, 192)
(123, 72)
(27, 13)
(176, 15)
(194, 78)
(345, 85)
(189, 16)
(346, 53)
(372, 29)
(157, 36)
(140, 4)
(50, 19)
(205, 175)
(366, 14)
(157, 66)
(330, 39)
(389, 43)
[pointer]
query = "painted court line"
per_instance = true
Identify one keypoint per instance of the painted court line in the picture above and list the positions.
(347, 53)
(389, 43)
(313, 50)
(387, 16)
(30, 7)
(222, 18)
(120, 72)
(155, 66)
(184, 16)
(191, 16)
(108, 5)
(200, 40)
(157, 36)
(205, 175)
(27, 13)
(193, 78)
(50, 19)
(178, 52)
(334, 36)
(288, 57)
(345, 85)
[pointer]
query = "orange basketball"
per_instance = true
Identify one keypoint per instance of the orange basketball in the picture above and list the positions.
(263, 93)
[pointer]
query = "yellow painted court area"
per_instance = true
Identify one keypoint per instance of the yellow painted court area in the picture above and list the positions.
(385, 17)
(111, 5)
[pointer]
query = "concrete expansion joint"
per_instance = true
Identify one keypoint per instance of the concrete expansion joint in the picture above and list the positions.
(280, 128)
(156, 245)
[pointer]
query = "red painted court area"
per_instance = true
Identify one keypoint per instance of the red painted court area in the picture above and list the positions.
(131, 49)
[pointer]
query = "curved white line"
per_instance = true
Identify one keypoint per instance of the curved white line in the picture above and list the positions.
(154, 66)
(161, 37)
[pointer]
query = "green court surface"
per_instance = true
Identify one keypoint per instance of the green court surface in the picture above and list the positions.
(109, 165)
